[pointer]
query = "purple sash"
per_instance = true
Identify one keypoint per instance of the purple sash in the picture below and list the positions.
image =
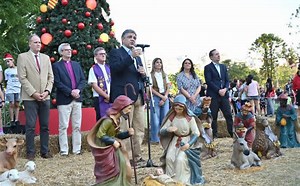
(101, 82)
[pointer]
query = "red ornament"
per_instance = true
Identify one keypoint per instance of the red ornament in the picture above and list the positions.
(100, 41)
(64, 21)
(112, 23)
(89, 47)
(42, 47)
(100, 26)
(111, 33)
(53, 101)
(39, 19)
(44, 30)
(68, 33)
(74, 52)
(87, 14)
(91, 4)
(64, 2)
(80, 26)
(52, 59)
(46, 38)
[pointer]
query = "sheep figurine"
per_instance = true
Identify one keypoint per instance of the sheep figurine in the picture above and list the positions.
(26, 176)
(11, 179)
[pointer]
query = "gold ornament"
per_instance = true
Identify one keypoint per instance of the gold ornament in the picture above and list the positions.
(52, 3)
(104, 37)
(43, 8)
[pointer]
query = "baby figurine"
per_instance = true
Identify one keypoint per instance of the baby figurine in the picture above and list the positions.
(161, 178)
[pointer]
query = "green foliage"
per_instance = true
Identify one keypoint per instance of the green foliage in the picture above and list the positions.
(270, 48)
(172, 79)
(75, 12)
(283, 75)
(5, 114)
(16, 22)
(239, 70)
(290, 55)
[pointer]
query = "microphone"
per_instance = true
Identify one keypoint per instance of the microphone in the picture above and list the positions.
(142, 45)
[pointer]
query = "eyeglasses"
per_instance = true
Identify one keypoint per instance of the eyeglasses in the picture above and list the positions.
(102, 54)
(67, 49)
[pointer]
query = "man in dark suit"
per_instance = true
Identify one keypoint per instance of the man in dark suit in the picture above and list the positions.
(217, 80)
(69, 81)
(127, 75)
(36, 78)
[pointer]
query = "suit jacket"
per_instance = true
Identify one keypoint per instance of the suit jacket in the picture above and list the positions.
(63, 84)
(124, 73)
(214, 81)
(29, 76)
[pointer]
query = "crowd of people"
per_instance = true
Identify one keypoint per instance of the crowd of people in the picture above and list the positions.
(119, 90)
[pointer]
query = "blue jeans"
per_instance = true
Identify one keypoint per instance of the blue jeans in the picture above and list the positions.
(270, 106)
(157, 117)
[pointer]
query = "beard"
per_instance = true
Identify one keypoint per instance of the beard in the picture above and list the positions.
(125, 116)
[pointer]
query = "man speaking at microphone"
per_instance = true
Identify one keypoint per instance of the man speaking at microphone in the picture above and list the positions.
(127, 75)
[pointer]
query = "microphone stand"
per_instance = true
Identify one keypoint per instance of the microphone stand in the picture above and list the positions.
(147, 84)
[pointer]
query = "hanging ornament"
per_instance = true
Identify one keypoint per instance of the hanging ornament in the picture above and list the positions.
(43, 8)
(112, 23)
(44, 30)
(100, 26)
(52, 59)
(53, 101)
(68, 33)
(46, 38)
(81, 26)
(111, 33)
(74, 52)
(42, 47)
(100, 41)
(52, 3)
(64, 2)
(113, 28)
(39, 19)
(64, 21)
(87, 14)
(104, 37)
(89, 47)
(91, 4)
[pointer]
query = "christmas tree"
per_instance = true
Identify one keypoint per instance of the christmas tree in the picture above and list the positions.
(84, 24)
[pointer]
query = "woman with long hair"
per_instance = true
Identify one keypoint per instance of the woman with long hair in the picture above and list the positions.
(160, 91)
(252, 89)
(188, 84)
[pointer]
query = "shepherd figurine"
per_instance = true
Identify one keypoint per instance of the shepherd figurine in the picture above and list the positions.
(112, 166)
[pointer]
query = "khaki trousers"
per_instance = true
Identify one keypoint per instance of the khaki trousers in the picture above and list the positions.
(137, 123)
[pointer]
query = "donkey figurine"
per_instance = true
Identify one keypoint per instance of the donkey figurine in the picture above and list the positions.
(243, 157)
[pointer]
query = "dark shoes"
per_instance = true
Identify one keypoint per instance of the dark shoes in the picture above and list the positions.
(30, 157)
(138, 162)
(46, 156)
